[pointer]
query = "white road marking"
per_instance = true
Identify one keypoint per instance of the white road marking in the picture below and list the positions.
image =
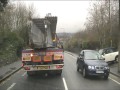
(65, 85)
(11, 86)
(115, 81)
(24, 74)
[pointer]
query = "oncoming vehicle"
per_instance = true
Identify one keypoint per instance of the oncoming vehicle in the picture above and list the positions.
(90, 62)
(110, 54)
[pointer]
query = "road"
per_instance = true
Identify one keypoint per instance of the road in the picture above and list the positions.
(69, 80)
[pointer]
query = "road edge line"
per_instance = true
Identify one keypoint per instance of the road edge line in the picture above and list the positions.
(9, 88)
(114, 74)
(10, 74)
(69, 53)
(114, 80)
(65, 84)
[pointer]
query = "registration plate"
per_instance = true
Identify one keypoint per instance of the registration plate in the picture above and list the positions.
(41, 68)
(99, 71)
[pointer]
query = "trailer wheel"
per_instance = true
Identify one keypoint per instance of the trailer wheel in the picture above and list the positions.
(30, 73)
(59, 72)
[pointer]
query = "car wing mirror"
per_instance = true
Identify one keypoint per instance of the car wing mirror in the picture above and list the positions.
(81, 57)
(103, 54)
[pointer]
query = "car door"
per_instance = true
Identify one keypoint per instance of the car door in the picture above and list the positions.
(112, 54)
(108, 55)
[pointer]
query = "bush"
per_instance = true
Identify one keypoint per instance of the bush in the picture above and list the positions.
(10, 49)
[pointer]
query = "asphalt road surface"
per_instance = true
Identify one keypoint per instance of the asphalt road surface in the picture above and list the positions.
(69, 80)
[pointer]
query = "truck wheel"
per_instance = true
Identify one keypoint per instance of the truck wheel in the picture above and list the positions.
(30, 73)
(106, 77)
(59, 72)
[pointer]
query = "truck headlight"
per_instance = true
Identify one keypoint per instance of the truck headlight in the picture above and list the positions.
(91, 67)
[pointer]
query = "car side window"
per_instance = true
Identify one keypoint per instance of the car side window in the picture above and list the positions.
(111, 50)
(108, 51)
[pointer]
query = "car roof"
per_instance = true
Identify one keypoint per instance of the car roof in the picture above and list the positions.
(88, 50)
(108, 48)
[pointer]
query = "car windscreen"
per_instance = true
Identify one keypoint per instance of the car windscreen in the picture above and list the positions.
(92, 55)
(112, 50)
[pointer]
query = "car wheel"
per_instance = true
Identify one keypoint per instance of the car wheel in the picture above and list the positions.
(84, 73)
(106, 77)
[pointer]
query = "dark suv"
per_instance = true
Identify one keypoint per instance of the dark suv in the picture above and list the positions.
(90, 62)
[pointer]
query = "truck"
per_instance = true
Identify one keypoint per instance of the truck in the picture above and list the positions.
(46, 54)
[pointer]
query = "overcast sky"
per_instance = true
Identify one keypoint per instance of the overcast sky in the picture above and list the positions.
(71, 14)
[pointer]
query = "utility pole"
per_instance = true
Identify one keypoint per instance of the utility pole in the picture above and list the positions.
(119, 40)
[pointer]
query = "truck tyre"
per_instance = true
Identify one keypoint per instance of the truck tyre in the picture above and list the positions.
(30, 73)
(59, 72)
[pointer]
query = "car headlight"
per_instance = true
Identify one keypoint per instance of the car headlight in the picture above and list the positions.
(91, 67)
(106, 67)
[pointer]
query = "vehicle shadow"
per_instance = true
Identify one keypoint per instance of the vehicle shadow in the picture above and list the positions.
(42, 75)
(94, 78)
(43, 81)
